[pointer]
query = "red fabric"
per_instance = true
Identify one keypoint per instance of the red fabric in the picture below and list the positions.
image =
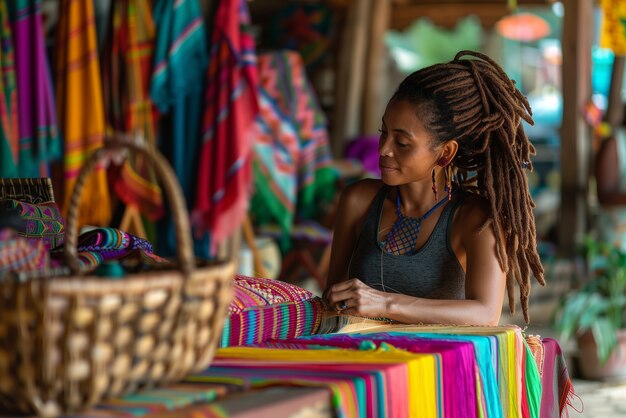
(224, 169)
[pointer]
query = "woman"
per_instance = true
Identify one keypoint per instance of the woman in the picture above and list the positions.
(450, 222)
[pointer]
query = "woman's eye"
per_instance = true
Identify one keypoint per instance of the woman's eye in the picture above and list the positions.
(402, 145)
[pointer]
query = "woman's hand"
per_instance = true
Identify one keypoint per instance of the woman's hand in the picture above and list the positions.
(354, 297)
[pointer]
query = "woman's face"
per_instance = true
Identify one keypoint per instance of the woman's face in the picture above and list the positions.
(405, 146)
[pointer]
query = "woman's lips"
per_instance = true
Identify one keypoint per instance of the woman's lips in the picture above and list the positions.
(386, 169)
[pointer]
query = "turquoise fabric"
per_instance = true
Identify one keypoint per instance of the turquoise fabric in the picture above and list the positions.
(180, 63)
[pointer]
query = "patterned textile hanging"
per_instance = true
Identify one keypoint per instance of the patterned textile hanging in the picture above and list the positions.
(127, 64)
(292, 171)
(9, 137)
(224, 169)
(81, 107)
(180, 62)
(39, 140)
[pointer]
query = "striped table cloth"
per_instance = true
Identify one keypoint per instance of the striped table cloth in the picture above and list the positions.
(384, 371)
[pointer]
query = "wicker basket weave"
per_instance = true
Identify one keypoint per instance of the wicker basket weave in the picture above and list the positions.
(68, 342)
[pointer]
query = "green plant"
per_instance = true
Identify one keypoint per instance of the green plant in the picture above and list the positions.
(599, 305)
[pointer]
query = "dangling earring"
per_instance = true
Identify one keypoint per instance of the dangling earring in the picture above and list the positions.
(435, 186)
(448, 173)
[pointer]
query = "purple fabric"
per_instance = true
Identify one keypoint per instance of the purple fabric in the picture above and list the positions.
(104, 244)
(557, 388)
(365, 150)
(456, 362)
(38, 132)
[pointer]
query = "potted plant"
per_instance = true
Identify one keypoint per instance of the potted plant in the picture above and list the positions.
(595, 313)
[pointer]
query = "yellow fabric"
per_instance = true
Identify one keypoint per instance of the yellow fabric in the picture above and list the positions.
(80, 107)
(613, 31)
(422, 368)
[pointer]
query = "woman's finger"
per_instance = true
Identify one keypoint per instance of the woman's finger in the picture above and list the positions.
(338, 297)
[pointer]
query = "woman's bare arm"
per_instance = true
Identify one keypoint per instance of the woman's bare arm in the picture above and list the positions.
(351, 211)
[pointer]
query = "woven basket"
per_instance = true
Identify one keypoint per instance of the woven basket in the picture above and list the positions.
(68, 342)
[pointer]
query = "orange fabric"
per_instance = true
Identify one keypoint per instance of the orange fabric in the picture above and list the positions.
(80, 107)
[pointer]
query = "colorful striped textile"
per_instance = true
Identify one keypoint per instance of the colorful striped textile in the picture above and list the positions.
(481, 371)
(364, 383)
(41, 222)
(292, 171)
(224, 171)
(39, 140)
(152, 402)
(264, 309)
(9, 136)
(127, 65)
(19, 254)
(257, 292)
(558, 390)
(518, 379)
(403, 371)
(278, 321)
(178, 72)
(81, 108)
(456, 365)
(105, 244)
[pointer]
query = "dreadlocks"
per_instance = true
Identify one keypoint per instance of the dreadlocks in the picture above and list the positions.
(476, 103)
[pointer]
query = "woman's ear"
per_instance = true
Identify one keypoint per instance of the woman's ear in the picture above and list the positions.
(448, 152)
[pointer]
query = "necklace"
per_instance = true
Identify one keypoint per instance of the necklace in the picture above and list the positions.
(402, 238)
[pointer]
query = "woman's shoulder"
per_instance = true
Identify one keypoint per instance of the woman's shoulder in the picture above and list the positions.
(362, 192)
(356, 199)
(473, 212)
(359, 195)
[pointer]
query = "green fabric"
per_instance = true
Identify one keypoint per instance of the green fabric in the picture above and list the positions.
(533, 383)
(314, 198)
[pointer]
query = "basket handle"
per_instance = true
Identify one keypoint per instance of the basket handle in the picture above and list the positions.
(170, 184)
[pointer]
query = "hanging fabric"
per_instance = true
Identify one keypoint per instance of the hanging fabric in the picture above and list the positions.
(179, 67)
(81, 107)
(292, 160)
(127, 64)
(612, 35)
(9, 137)
(39, 140)
(224, 170)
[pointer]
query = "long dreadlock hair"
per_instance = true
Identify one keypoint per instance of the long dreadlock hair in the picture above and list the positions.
(474, 102)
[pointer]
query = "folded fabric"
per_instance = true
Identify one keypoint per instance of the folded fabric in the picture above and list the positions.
(19, 254)
(41, 221)
(279, 321)
(106, 244)
(255, 292)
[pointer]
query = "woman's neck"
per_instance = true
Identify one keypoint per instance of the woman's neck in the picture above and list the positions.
(417, 198)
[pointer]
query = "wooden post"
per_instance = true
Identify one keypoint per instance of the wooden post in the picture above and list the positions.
(615, 110)
(376, 85)
(350, 75)
(575, 135)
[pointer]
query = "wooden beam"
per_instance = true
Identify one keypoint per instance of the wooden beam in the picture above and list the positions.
(350, 76)
(376, 72)
(615, 109)
(447, 15)
(575, 144)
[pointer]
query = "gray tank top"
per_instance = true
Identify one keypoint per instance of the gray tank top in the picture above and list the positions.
(432, 272)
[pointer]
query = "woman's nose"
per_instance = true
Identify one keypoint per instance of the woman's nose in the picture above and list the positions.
(383, 149)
